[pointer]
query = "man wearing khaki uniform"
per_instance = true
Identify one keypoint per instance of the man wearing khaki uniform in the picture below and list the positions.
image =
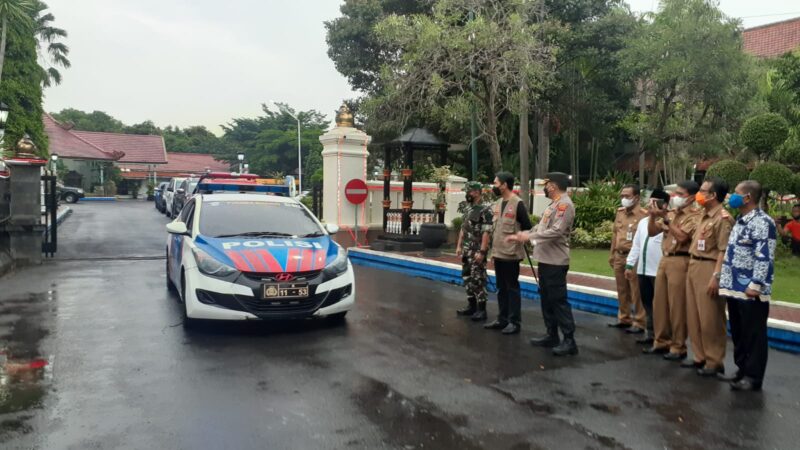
(669, 304)
(705, 310)
(628, 295)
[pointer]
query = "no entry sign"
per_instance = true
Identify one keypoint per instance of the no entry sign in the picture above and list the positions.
(355, 191)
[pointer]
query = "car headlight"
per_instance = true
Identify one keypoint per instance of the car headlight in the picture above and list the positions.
(339, 264)
(80, 191)
(211, 266)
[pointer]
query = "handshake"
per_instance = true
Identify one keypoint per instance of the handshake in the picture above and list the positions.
(522, 236)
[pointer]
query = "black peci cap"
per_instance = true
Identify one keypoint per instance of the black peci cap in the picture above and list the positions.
(559, 178)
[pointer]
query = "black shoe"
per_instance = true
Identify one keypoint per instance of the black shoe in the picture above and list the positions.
(674, 356)
(480, 315)
(547, 341)
(469, 310)
(655, 350)
(496, 325)
(619, 325)
(706, 372)
(646, 339)
(511, 329)
(690, 364)
(566, 347)
(735, 377)
(745, 384)
(634, 330)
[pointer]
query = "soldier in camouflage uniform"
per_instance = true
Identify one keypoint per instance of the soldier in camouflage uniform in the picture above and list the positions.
(473, 247)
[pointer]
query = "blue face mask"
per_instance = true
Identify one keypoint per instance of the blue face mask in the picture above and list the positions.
(736, 201)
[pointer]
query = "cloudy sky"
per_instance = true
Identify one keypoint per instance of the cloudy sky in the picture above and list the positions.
(187, 62)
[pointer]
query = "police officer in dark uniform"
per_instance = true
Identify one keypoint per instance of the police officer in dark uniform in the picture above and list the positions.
(550, 241)
(473, 247)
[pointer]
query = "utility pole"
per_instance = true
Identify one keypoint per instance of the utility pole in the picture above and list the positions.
(473, 125)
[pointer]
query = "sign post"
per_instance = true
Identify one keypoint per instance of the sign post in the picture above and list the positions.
(355, 191)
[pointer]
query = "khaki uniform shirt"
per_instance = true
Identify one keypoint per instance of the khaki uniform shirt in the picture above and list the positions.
(551, 237)
(505, 224)
(686, 219)
(625, 228)
(712, 233)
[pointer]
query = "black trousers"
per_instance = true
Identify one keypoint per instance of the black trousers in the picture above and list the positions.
(508, 295)
(556, 310)
(647, 289)
(748, 320)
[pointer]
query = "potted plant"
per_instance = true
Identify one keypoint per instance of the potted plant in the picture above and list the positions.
(151, 189)
(434, 235)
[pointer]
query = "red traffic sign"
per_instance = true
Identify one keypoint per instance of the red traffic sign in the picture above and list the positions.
(355, 191)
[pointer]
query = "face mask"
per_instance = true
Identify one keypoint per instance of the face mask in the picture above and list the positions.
(627, 202)
(736, 201)
(678, 202)
(701, 198)
(496, 191)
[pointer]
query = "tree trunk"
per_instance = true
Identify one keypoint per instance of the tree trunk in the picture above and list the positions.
(491, 133)
(543, 152)
(524, 153)
(642, 156)
(3, 40)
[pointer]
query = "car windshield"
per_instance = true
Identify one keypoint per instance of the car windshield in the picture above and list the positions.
(252, 218)
(191, 187)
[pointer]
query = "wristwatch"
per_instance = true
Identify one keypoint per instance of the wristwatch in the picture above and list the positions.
(484, 252)
(717, 275)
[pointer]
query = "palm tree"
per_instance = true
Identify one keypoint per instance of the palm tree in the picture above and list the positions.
(56, 52)
(13, 13)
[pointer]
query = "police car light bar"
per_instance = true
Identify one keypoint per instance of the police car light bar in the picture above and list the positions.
(242, 187)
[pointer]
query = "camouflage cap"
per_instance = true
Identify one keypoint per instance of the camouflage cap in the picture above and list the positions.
(473, 186)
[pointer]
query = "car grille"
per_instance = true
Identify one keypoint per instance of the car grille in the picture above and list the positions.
(282, 309)
(270, 277)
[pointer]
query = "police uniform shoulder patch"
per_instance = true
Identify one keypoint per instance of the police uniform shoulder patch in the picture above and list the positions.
(562, 207)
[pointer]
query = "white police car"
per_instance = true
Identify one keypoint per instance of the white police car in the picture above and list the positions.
(243, 256)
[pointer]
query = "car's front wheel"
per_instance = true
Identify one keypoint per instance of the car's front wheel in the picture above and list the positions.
(187, 321)
(70, 198)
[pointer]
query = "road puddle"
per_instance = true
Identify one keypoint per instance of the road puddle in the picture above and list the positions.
(25, 372)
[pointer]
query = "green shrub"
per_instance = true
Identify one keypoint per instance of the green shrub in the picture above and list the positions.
(534, 219)
(773, 176)
(796, 184)
(308, 201)
(732, 171)
(764, 133)
(596, 204)
(599, 237)
(457, 222)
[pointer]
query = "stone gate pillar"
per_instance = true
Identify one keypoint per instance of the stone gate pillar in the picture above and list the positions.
(344, 157)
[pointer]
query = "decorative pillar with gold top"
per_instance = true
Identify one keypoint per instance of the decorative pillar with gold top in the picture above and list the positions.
(344, 157)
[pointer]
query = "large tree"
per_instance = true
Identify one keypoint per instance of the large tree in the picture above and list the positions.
(449, 64)
(269, 142)
(52, 52)
(93, 121)
(688, 59)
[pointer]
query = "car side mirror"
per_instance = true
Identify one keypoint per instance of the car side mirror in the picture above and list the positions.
(332, 228)
(181, 191)
(177, 227)
(169, 189)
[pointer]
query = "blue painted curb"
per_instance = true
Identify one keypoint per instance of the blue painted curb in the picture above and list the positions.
(580, 297)
(98, 199)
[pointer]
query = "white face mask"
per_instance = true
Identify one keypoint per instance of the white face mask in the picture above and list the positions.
(627, 202)
(678, 202)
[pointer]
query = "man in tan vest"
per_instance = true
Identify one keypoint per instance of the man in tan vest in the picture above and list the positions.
(631, 315)
(510, 217)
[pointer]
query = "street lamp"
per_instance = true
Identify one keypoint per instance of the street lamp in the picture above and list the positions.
(299, 148)
(3, 118)
(246, 168)
(54, 159)
(240, 157)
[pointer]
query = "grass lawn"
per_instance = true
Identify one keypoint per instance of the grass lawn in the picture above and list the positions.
(784, 289)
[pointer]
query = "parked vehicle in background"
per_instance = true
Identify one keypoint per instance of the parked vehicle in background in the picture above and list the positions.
(183, 194)
(169, 196)
(158, 195)
(69, 194)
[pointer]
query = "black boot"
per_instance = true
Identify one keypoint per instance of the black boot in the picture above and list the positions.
(480, 314)
(567, 347)
(469, 310)
(549, 340)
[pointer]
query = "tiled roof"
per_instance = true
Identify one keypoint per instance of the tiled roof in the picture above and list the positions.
(145, 149)
(184, 163)
(773, 39)
(66, 144)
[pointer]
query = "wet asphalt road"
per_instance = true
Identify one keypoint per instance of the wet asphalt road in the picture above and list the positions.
(403, 372)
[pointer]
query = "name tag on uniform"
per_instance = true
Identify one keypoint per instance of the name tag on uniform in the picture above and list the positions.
(629, 236)
(701, 245)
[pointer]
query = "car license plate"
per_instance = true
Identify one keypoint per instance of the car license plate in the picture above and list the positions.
(285, 290)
